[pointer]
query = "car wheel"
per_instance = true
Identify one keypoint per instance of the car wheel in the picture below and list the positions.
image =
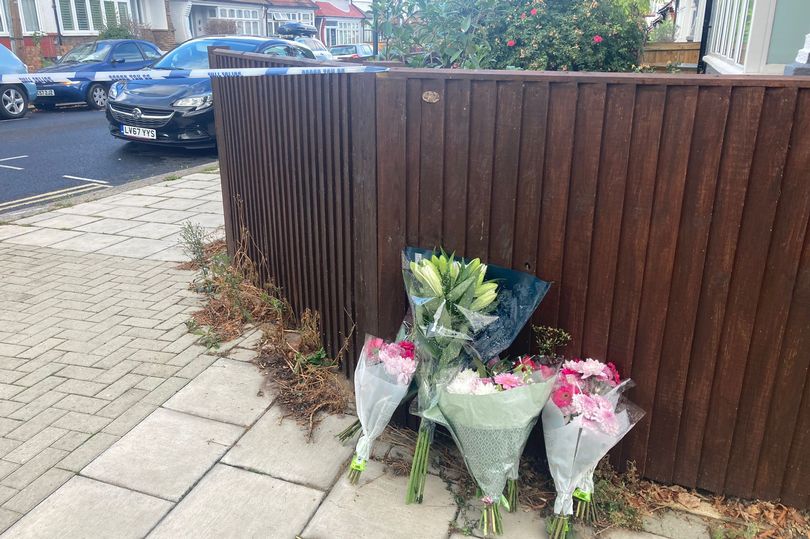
(97, 96)
(13, 102)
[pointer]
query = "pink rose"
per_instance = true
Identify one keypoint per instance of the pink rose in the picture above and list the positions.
(597, 39)
(508, 380)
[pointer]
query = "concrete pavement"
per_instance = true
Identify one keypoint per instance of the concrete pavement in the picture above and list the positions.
(115, 423)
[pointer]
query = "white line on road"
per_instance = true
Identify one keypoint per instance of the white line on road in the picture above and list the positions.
(12, 158)
(84, 179)
(11, 167)
(49, 196)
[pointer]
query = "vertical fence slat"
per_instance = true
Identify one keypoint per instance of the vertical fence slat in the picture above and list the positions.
(562, 107)
(482, 140)
(581, 206)
(456, 158)
(413, 161)
(431, 166)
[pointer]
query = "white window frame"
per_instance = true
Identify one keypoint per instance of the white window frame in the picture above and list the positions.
(349, 32)
(239, 16)
(759, 38)
(93, 31)
(3, 7)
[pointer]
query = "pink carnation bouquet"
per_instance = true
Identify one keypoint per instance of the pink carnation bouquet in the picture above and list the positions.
(490, 417)
(381, 379)
(584, 418)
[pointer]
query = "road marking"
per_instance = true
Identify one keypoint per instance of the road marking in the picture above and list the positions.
(84, 179)
(49, 196)
(12, 158)
(11, 167)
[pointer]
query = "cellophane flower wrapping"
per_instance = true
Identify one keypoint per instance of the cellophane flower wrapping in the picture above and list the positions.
(585, 417)
(381, 380)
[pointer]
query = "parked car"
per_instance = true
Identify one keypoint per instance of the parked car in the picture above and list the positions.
(14, 98)
(305, 35)
(180, 111)
(356, 51)
(104, 55)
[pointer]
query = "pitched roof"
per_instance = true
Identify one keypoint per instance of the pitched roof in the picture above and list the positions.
(307, 4)
(327, 9)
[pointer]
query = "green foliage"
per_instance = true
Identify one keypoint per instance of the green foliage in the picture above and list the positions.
(570, 35)
(522, 34)
(549, 339)
(116, 31)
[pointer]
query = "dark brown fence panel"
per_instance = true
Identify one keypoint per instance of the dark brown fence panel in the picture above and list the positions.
(671, 213)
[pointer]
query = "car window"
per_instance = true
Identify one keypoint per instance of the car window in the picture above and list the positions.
(89, 52)
(194, 54)
(127, 52)
(365, 50)
(150, 52)
(9, 62)
(313, 44)
(276, 50)
(301, 52)
(342, 50)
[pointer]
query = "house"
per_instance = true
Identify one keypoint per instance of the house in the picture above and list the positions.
(251, 17)
(339, 22)
(745, 36)
(39, 30)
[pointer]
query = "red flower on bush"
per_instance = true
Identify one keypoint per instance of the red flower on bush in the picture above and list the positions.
(597, 39)
(533, 11)
(511, 43)
(523, 15)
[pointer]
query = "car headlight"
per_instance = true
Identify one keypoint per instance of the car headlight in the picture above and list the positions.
(72, 82)
(115, 90)
(195, 102)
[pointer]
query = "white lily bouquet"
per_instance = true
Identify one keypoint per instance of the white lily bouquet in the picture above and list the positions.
(381, 381)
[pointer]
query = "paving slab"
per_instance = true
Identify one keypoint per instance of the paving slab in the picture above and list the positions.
(279, 448)
(676, 525)
(229, 391)
(83, 508)
(153, 231)
(376, 508)
(257, 506)
(43, 237)
(66, 220)
(89, 242)
(137, 247)
(165, 454)
(8, 231)
(108, 226)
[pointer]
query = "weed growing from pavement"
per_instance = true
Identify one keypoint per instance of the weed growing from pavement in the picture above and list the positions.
(63, 204)
(211, 169)
(171, 178)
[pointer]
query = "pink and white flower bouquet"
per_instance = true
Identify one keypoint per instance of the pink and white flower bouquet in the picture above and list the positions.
(585, 417)
(490, 418)
(381, 380)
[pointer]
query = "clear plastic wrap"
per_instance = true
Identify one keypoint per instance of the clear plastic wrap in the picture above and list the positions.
(462, 311)
(573, 450)
(379, 387)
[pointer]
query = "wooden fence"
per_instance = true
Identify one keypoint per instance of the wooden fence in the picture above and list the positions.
(671, 212)
(662, 54)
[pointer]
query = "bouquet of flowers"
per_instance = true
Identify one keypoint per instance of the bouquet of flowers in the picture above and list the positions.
(585, 417)
(381, 380)
(490, 418)
(461, 311)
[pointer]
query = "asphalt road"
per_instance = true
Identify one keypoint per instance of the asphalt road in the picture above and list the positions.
(51, 155)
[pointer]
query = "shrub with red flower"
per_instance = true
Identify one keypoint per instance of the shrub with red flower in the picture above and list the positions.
(511, 43)
(597, 39)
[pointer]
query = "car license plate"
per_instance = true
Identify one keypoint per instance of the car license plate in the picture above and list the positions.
(44, 93)
(138, 132)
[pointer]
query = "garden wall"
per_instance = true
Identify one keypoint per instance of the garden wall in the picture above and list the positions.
(671, 213)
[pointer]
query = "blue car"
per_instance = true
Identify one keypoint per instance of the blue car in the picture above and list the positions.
(14, 98)
(104, 55)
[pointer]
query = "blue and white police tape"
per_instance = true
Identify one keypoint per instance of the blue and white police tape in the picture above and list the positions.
(158, 74)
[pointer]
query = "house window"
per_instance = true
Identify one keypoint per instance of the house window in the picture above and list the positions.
(30, 17)
(348, 33)
(3, 17)
(246, 20)
(277, 18)
(91, 15)
(731, 28)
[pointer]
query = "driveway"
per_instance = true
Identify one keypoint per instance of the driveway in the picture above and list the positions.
(48, 156)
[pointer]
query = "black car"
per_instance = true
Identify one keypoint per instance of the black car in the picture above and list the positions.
(179, 111)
